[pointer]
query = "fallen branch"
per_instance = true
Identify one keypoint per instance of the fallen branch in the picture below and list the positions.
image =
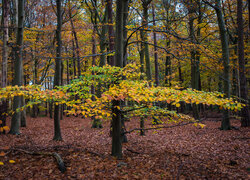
(161, 127)
(58, 158)
(133, 151)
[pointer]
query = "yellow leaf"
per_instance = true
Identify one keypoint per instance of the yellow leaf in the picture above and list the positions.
(178, 105)
(6, 128)
(12, 161)
(202, 125)
(1, 163)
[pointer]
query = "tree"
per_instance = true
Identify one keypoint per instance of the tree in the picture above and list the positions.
(225, 124)
(117, 116)
(76, 41)
(245, 116)
(155, 50)
(145, 5)
(3, 104)
(58, 70)
(109, 4)
(18, 69)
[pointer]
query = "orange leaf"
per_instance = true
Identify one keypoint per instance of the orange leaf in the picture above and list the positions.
(6, 128)
(2, 153)
(5, 148)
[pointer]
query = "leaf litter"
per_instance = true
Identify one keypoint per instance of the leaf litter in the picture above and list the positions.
(184, 152)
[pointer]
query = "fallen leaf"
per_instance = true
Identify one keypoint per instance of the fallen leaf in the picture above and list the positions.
(12, 161)
(2, 153)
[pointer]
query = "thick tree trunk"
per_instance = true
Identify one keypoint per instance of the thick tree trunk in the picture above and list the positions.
(58, 75)
(225, 124)
(245, 116)
(194, 68)
(18, 70)
(116, 113)
(3, 104)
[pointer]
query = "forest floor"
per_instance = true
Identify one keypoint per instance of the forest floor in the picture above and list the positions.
(185, 152)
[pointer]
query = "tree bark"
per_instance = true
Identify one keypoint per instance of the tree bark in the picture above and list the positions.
(125, 31)
(76, 41)
(58, 75)
(142, 55)
(225, 124)
(3, 104)
(194, 63)
(155, 51)
(18, 70)
(110, 30)
(96, 122)
(245, 116)
(145, 4)
(116, 113)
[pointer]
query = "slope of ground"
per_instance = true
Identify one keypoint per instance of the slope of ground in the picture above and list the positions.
(184, 152)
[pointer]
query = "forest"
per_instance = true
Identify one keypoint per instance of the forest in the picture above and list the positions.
(122, 89)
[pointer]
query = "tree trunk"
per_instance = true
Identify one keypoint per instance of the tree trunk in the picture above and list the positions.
(225, 124)
(155, 51)
(76, 41)
(58, 75)
(18, 70)
(110, 31)
(125, 31)
(116, 113)
(74, 57)
(245, 116)
(142, 132)
(194, 67)
(145, 40)
(168, 66)
(96, 122)
(142, 55)
(103, 38)
(3, 104)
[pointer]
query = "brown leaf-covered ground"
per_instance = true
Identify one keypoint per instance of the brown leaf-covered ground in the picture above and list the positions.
(184, 152)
